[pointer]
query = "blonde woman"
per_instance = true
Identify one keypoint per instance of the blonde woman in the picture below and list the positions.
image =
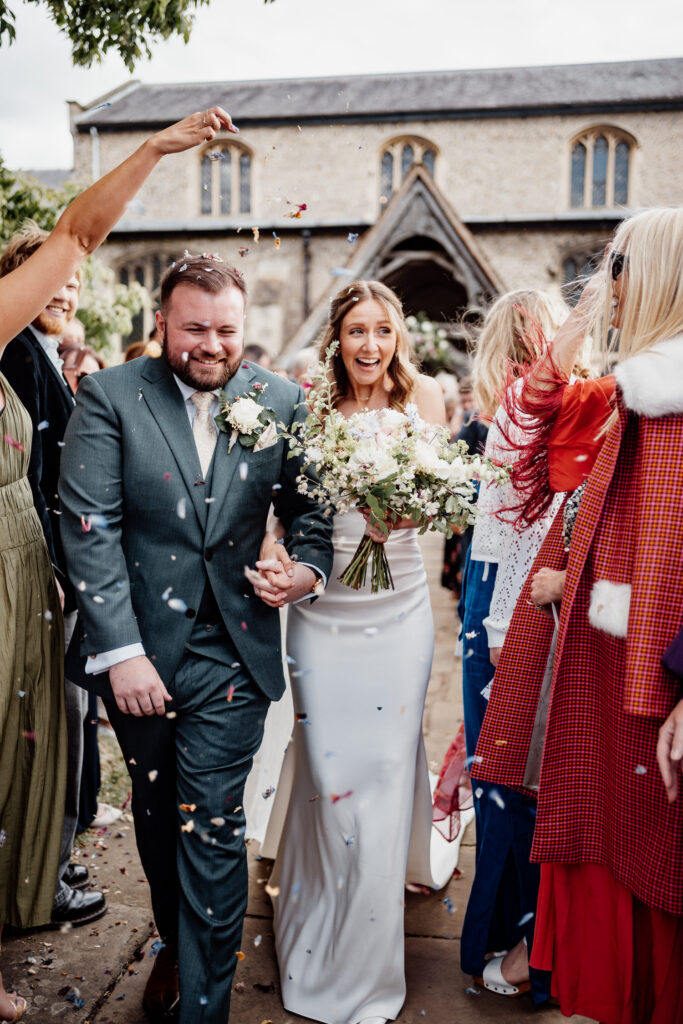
(360, 664)
(609, 833)
(499, 559)
(33, 748)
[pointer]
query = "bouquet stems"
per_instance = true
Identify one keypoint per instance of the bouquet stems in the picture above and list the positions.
(355, 574)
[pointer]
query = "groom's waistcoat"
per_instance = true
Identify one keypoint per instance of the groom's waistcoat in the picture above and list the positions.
(144, 534)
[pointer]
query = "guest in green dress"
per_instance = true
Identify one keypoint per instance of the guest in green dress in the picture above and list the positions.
(32, 730)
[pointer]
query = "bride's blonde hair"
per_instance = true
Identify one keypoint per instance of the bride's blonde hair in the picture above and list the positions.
(508, 338)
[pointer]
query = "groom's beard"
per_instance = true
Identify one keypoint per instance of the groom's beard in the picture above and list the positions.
(204, 378)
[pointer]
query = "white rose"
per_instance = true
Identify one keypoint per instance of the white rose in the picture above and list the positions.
(458, 473)
(391, 419)
(373, 460)
(428, 460)
(244, 415)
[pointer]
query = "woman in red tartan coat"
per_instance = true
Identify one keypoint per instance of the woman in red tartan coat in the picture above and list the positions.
(610, 912)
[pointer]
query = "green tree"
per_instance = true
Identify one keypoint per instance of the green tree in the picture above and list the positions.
(105, 308)
(95, 28)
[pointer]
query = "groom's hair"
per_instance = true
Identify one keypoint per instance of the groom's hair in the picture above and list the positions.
(207, 272)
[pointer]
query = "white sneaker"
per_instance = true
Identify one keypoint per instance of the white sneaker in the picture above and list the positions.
(106, 815)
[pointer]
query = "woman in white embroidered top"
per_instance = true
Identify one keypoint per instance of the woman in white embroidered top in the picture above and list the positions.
(498, 562)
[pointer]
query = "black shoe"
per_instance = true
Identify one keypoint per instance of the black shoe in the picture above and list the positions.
(76, 876)
(80, 907)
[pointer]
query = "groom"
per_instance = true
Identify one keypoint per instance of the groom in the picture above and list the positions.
(160, 516)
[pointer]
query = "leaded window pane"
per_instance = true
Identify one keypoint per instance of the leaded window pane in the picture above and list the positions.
(578, 174)
(407, 159)
(206, 185)
(123, 276)
(225, 182)
(600, 171)
(428, 158)
(156, 272)
(245, 183)
(387, 175)
(621, 161)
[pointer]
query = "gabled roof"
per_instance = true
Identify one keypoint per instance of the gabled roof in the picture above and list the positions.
(418, 210)
(490, 92)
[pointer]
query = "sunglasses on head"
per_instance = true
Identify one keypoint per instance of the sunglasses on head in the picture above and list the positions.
(617, 261)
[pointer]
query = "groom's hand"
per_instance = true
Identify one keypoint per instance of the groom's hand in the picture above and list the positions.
(138, 688)
(278, 588)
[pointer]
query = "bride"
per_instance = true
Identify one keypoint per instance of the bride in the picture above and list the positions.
(359, 664)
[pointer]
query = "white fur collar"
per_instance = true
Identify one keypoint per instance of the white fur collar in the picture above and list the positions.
(652, 382)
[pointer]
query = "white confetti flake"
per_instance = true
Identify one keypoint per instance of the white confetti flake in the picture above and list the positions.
(641, 769)
(244, 470)
(166, 594)
(371, 631)
(97, 599)
(176, 604)
(81, 586)
(153, 775)
(181, 508)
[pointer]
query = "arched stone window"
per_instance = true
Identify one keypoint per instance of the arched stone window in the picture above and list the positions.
(147, 270)
(225, 180)
(600, 168)
(576, 267)
(398, 156)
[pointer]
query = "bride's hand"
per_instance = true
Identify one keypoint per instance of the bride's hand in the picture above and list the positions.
(376, 534)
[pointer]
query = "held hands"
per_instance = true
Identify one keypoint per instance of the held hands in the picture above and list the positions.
(138, 688)
(280, 581)
(193, 130)
(670, 751)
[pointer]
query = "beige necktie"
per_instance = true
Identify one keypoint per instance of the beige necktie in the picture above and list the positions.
(204, 428)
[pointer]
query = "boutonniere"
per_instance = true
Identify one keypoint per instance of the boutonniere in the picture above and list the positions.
(246, 420)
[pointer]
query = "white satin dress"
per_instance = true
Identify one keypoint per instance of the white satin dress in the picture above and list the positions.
(359, 664)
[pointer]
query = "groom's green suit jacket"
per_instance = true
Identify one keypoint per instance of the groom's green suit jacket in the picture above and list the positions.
(140, 530)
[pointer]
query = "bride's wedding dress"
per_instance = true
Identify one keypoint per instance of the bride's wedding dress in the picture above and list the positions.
(359, 665)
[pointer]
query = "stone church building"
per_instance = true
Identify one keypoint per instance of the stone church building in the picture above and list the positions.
(449, 186)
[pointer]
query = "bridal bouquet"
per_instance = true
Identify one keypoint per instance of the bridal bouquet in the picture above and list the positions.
(389, 462)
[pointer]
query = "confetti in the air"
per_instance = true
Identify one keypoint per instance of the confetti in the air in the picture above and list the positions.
(351, 237)
(176, 604)
(336, 797)
(153, 775)
(181, 508)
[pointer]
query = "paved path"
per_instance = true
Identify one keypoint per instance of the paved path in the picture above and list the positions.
(97, 975)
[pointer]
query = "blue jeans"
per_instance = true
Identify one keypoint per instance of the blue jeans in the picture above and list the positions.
(505, 886)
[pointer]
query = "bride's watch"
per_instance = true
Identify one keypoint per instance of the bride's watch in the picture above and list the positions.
(318, 587)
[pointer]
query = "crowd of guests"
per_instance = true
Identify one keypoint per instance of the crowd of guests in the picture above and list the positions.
(570, 597)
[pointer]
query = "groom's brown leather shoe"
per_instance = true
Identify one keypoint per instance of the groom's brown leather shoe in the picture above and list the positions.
(161, 1001)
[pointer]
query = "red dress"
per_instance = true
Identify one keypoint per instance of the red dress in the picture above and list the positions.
(609, 922)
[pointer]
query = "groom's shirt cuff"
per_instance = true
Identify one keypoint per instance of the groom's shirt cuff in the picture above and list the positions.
(97, 663)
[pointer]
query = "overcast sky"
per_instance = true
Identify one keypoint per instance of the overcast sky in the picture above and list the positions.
(247, 39)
